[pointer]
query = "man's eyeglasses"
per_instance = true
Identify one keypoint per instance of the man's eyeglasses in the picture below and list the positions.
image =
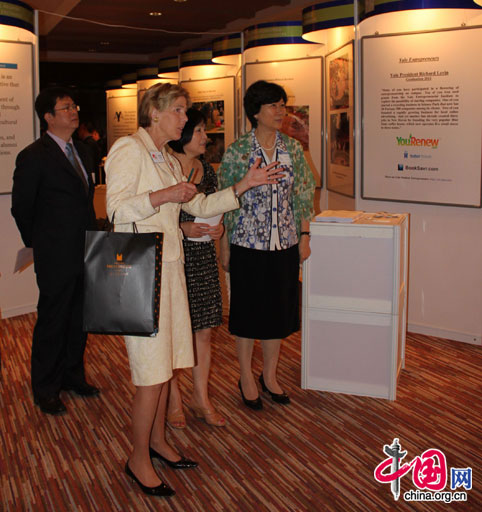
(73, 107)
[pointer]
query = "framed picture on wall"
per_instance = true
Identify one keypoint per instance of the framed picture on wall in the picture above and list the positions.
(340, 122)
(215, 98)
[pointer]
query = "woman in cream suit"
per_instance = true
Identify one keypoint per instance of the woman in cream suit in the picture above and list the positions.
(145, 185)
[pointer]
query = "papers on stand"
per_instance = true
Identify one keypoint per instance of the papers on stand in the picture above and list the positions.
(382, 218)
(24, 259)
(212, 221)
(338, 216)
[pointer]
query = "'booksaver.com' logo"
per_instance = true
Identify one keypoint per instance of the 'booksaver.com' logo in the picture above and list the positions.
(429, 475)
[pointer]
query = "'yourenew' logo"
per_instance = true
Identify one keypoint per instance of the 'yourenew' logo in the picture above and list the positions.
(414, 141)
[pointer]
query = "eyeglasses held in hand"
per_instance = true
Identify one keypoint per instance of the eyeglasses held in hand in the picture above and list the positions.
(73, 107)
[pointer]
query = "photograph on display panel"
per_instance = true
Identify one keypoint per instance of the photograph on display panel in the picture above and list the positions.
(339, 81)
(215, 98)
(303, 120)
(422, 117)
(340, 174)
(214, 113)
(296, 124)
(339, 152)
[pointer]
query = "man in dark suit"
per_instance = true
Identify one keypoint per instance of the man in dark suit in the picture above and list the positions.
(52, 203)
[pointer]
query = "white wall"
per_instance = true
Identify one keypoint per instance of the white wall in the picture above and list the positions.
(18, 292)
(445, 273)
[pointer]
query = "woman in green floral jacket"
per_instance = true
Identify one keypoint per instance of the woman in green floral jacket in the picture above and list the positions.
(266, 239)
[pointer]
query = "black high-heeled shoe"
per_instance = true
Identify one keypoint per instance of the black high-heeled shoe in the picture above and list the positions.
(279, 398)
(159, 490)
(182, 463)
(255, 404)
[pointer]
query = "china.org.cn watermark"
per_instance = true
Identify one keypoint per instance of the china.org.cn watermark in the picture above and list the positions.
(429, 475)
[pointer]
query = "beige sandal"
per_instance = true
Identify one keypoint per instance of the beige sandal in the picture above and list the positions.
(210, 416)
(176, 420)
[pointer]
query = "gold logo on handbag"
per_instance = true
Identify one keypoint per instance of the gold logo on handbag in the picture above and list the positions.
(118, 257)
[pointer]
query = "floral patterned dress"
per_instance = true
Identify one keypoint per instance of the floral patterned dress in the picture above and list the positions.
(263, 235)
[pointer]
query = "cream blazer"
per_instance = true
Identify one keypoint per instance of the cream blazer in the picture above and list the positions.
(131, 174)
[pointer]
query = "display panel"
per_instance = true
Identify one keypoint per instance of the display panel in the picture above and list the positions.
(422, 117)
(16, 106)
(302, 81)
(215, 98)
(121, 114)
(340, 121)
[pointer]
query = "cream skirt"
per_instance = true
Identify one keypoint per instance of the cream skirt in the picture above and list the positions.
(152, 360)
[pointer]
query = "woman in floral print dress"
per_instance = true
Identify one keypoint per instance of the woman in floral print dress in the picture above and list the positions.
(266, 239)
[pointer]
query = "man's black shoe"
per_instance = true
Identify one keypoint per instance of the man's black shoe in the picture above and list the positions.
(82, 389)
(51, 405)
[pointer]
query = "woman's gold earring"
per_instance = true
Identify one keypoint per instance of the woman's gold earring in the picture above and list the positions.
(155, 119)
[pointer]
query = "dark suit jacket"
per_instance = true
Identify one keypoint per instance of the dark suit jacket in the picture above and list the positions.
(52, 209)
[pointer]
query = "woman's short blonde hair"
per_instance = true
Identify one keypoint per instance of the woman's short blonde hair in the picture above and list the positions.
(159, 96)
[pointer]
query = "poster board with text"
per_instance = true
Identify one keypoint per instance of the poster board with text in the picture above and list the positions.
(121, 114)
(17, 117)
(422, 117)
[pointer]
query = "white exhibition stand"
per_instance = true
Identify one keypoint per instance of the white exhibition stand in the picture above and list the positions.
(355, 306)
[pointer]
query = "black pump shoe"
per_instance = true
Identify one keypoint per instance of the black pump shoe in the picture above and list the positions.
(279, 398)
(160, 490)
(256, 404)
(182, 463)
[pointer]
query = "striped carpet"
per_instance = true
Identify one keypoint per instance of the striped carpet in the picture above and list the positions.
(318, 454)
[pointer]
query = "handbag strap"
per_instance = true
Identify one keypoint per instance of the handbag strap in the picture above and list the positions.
(112, 225)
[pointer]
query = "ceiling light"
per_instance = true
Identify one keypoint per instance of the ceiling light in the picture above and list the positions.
(155, 13)
(180, 1)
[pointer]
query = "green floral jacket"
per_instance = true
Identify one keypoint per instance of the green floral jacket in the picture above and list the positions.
(235, 165)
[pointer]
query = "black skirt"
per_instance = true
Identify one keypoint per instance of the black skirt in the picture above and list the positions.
(264, 293)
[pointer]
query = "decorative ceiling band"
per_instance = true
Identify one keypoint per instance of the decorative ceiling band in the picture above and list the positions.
(198, 57)
(129, 80)
(168, 65)
(385, 6)
(113, 84)
(265, 34)
(16, 14)
(339, 13)
(147, 73)
(229, 45)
